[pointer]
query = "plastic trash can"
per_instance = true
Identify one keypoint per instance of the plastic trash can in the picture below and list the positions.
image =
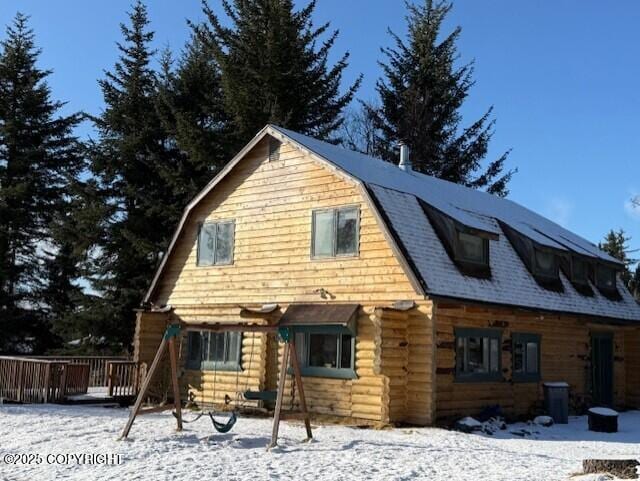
(556, 401)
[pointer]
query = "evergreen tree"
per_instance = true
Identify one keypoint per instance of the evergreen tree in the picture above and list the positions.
(634, 283)
(273, 70)
(616, 244)
(192, 111)
(63, 295)
(420, 99)
(38, 157)
(131, 162)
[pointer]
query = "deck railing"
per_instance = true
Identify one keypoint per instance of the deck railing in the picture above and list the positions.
(40, 381)
(125, 377)
(98, 369)
(77, 381)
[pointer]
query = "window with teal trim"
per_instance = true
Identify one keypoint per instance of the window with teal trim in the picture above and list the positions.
(326, 352)
(478, 354)
(208, 351)
(525, 357)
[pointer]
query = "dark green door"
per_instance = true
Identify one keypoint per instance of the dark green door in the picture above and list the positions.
(602, 368)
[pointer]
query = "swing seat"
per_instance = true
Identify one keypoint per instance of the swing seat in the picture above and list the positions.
(223, 427)
(260, 395)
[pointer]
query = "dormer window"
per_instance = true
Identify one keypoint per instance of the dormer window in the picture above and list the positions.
(467, 247)
(579, 270)
(605, 278)
(472, 249)
(545, 263)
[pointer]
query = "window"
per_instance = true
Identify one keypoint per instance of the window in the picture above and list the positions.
(214, 350)
(335, 232)
(326, 352)
(468, 248)
(274, 149)
(545, 263)
(605, 278)
(525, 357)
(215, 243)
(478, 354)
(579, 270)
(472, 248)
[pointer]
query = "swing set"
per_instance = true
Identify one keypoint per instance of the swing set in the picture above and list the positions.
(170, 343)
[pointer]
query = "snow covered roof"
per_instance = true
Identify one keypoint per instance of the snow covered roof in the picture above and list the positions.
(397, 195)
(511, 283)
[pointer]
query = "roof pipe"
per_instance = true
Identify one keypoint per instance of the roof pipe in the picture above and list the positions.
(405, 161)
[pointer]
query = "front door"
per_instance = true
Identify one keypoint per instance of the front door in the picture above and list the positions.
(602, 368)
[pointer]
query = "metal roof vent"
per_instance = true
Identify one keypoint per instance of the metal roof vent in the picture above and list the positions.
(405, 162)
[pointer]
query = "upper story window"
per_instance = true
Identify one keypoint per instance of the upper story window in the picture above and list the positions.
(545, 263)
(472, 248)
(335, 232)
(468, 248)
(211, 350)
(605, 278)
(542, 262)
(579, 270)
(215, 243)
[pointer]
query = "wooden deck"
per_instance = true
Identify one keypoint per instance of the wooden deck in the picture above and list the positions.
(68, 379)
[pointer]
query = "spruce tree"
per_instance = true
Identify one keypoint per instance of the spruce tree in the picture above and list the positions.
(64, 296)
(634, 283)
(39, 156)
(616, 244)
(275, 69)
(131, 162)
(420, 96)
(192, 110)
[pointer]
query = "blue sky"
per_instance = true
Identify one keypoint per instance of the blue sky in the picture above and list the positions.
(563, 78)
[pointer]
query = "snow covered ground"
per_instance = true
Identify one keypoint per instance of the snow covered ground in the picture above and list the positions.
(155, 451)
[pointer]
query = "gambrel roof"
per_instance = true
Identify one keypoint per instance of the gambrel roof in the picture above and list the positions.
(396, 196)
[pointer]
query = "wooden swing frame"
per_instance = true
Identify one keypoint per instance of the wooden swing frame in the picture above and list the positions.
(169, 342)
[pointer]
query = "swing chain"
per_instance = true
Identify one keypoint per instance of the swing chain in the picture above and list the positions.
(293, 386)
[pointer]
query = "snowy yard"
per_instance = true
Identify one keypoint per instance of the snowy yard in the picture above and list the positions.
(156, 452)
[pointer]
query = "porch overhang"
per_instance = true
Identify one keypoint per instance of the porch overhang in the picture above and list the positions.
(308, 316)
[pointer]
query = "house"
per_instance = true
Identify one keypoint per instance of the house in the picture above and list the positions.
(415, 300)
